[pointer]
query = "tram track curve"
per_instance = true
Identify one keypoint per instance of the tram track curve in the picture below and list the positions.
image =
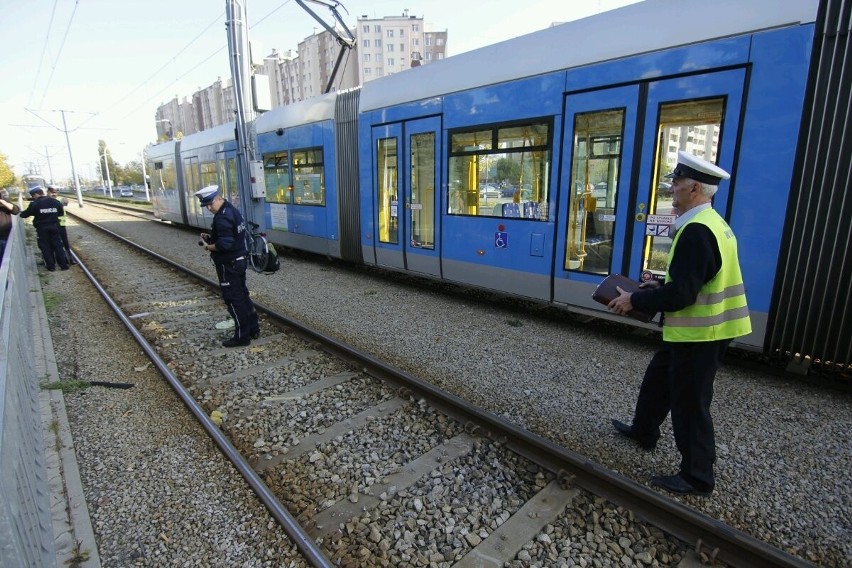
(566, 469)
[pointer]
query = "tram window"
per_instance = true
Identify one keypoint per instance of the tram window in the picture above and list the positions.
(308, 177)
(164, 180)
(388, 191)
(502, 171)
(594, 187)
(422, 185)
(192, 181)
(276, 173)
(691, 126)
(232, 180)
(208, 174)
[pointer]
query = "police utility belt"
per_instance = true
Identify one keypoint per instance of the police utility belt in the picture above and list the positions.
(232, 261)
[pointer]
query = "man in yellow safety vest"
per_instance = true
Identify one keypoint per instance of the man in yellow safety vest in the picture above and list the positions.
(704, 307)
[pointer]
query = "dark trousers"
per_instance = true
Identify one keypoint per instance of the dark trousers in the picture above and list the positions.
(63, 233)
(679, 379)
(232, 283)
(50, 245)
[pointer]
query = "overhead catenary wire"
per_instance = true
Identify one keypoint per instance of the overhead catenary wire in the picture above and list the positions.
(43, 51)
(59, 54)
(194, 66)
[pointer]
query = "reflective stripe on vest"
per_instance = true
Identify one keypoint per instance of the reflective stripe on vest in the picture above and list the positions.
(720, 310)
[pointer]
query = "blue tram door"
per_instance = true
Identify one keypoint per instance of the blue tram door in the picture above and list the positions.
(620, 143)
(406, 193)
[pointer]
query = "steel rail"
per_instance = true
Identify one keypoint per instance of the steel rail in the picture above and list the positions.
(309, 549)
(719, 541)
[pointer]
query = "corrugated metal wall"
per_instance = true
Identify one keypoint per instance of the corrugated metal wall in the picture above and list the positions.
(813, 314)
(346, 146)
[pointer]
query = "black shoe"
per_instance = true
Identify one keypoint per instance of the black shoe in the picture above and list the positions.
(677, 484)
(51, 270)
(64, 267)
(630, 432)
(255, 334)
(236, 342)
(72, 262)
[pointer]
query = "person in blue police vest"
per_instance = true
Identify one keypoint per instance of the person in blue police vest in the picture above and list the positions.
(46, 212)
(227, 245)
(704, 307)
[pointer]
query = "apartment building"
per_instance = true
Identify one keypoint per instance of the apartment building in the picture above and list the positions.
(383, 46)
(395, 43)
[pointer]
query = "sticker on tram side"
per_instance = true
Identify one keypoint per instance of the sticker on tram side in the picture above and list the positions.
(659, 225)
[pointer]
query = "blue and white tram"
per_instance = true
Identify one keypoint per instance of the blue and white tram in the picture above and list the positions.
(180, 168)
(301, 202)
(34, 180)
(539, 175)
(535, 167)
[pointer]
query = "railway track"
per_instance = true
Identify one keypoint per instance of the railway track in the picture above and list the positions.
(381, 468)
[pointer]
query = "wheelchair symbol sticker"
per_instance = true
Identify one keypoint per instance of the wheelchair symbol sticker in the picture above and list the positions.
(501, 239)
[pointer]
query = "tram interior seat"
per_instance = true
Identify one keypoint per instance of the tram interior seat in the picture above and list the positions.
(509, 210)
(530, 210)
(598, 243)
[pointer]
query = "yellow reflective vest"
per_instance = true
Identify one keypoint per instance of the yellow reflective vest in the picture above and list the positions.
(720, 310)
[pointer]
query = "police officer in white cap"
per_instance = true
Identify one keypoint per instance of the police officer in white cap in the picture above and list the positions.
(227, 245)
(45, 212)
(704, 307)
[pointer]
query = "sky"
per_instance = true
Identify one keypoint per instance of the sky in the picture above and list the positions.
(108, 64)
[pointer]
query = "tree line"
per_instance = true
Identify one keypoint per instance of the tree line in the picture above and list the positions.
(129, 173)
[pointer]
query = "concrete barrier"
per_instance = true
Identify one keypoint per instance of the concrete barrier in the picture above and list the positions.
(26, 531)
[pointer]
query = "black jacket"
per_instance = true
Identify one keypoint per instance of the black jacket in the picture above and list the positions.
(696, 261)
(6, 219)
(45, 212)
(228, 234)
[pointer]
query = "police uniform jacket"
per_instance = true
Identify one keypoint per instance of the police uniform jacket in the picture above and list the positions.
(228, 234)
(45, 212)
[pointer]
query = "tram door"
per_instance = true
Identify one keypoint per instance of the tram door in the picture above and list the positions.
(621, 143)
(699, 115)
(407, 195)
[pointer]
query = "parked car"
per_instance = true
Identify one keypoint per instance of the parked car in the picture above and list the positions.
(125, 192)
(487, 190)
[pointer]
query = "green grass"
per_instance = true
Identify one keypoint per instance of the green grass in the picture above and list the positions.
(78, 555)
(52, 301)
(65, 386)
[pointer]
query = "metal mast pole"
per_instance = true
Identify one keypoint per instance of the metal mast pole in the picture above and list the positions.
(238, 49)
(73, 170)
(145, 177)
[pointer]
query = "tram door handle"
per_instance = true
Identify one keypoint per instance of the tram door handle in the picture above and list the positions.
(640, 213)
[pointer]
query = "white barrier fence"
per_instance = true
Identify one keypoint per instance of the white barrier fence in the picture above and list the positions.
(26, 531)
